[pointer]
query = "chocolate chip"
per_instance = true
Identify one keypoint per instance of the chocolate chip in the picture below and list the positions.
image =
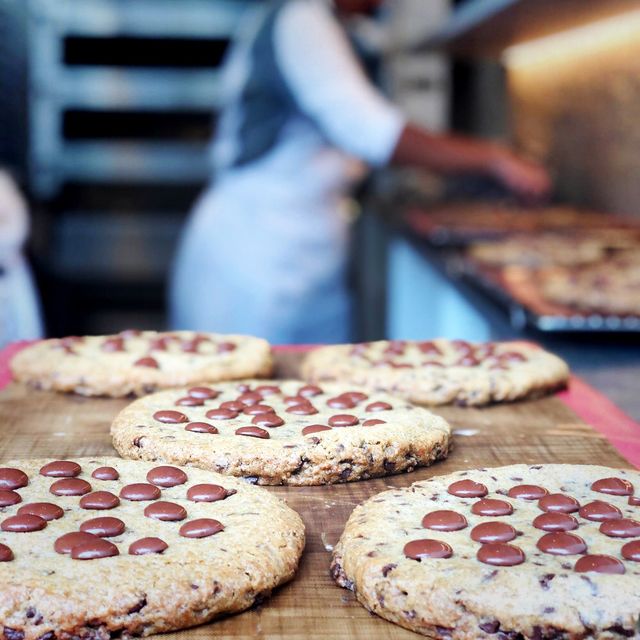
(467, 489)
(270, 420)
(490, 627)
(61, 469)
(254, 432)
(6, 555)
(203, 393)
(8, 497)
(166, 511)
(70, 487)
(345, 473)
(599, 564)
(11, 478)
(45, 510)
(113, 344)
(561, 544)
(249, 398)
(13, 634)
(65, 543)
(207, 493)
(613, 486)
(554, 521)
(105, 473)
(631, 551)
(302, 409)
(268, 390)
(491, 507)
(99, 500)
(373, 422)
(140, 491)
(141, 604)
(147, 361)
(170, 417)
(166, 476)
(493, 532)
(378, 406)
(527, 492)
(257, 409)
(201, 427)
(104, 527)
(309, 391)
(23, 523)
(188, 401)
(200, 528)
(387, 569)
(444, 520)
(621, 528)
(341, 402)
(226, 347)
(599, 511)
(94, 550)
(426, 548)
(343, 420)
(144, 546)
(545, 580)
(558, 502)
(621, 631)
(315, 428)
(500, 554)
(221, 414)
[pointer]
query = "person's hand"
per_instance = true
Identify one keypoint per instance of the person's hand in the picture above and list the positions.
(525, 178)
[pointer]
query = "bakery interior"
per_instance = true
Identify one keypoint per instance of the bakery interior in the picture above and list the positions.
(109, 108)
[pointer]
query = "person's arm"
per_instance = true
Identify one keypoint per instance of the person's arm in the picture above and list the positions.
(320, 70)
(447, 154)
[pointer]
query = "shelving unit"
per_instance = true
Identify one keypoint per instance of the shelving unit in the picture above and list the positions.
(122, 105)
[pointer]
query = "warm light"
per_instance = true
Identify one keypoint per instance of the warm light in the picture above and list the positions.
(589, 38)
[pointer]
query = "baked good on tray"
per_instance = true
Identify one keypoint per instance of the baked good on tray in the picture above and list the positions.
(540, 552)
(539, 250)
(282, 432)
(611, 286)
(441, 371)
(102, 547)
(138, 362)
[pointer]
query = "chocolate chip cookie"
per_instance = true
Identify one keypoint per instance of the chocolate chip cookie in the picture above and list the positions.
(139, 362)
(539, 552)
(609, 287)
(282, 432)
(441, 371)
(103, 547)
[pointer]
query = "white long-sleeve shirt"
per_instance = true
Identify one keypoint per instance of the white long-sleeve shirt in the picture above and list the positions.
(299, 103)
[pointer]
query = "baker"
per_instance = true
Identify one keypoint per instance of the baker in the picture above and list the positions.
(265, 249)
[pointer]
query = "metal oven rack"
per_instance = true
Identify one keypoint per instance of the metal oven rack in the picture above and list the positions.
(122, 100)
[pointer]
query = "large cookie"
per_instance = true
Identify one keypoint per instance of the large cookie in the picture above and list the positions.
(282, 432)
(611, 286)
(441, 371)
(518, 552)
(102, 547)
(140, 362)
(542, 249)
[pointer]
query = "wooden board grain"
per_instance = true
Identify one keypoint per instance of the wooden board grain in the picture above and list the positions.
(43, 424)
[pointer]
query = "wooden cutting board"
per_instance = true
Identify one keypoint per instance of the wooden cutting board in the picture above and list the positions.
(43, 424)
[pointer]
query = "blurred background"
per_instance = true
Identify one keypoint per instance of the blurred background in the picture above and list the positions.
(109, 106)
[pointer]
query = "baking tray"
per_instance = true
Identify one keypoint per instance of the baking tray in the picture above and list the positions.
(458, 224)
(514, 289)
